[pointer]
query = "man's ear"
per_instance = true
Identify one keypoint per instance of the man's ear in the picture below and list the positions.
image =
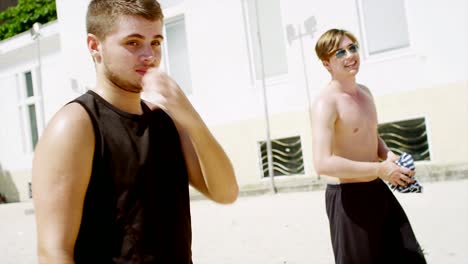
(326, 64)
(94, 47)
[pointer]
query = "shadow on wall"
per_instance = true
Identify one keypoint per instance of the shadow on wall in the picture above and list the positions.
(8, 190)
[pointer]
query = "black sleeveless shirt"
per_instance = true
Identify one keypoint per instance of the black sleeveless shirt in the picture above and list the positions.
(136, 208)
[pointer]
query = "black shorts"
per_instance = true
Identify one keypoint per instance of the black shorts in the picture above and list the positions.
(368, 225)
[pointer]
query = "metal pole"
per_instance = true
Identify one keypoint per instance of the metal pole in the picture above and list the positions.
(306, 78)
(265, 104)
(37, 36)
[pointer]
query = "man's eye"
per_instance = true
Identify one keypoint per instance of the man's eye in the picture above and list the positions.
(156, 43)
(132, 43)
(340, 53)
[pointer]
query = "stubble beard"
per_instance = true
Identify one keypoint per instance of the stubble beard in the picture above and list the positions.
(120, 82)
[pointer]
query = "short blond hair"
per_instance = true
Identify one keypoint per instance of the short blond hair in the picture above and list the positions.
(329, 42)
(102, 14)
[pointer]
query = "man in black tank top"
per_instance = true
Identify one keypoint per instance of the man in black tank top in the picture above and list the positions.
(111, 171)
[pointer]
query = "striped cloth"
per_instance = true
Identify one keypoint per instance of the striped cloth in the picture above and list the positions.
(406, 160)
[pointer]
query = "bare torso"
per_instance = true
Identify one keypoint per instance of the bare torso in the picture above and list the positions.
(355, 135)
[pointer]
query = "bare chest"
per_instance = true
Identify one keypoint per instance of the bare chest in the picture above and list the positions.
(356, 116)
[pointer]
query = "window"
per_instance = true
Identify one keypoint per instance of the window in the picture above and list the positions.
(287, 157)
(408, 136)
(30, 105)
(264, 19)
(384, 25)
(176, 50)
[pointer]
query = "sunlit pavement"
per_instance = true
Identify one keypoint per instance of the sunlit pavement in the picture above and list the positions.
(282, 228)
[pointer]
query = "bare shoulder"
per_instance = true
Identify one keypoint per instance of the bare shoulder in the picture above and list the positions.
(325, 101)
(72, 118)
(70, 126)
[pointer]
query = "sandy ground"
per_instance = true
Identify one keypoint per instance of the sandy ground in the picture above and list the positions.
(283, 228)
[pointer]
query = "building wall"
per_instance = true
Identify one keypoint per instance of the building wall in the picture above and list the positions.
(19, 54)
(431, 59)
(427, 79)
(445, 108)
(77, 63)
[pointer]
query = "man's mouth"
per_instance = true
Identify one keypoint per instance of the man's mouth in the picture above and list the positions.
(141, 71)
(351, 64)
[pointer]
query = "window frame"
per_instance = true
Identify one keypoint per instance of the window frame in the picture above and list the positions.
(172, 14)
(253, 46)
(387, 54)
(23, 103)
(176, 18)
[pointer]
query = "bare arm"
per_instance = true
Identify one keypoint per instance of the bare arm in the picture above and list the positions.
(60, 174)
(384, 152)
(382, 149)
(396, 177)
(210, 170)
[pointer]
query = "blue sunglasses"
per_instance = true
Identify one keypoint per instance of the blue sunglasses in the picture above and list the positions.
(353, 48)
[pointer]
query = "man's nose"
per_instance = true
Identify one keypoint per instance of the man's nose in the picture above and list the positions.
(148, 54)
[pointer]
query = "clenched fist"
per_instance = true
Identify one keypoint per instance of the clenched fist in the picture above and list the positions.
(162, 91)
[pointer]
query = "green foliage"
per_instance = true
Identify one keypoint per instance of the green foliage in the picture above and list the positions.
(20, 18)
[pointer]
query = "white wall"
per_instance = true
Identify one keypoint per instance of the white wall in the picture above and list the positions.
(218, 46)
(223, 90)
(437, 31)
(77, 62)
(221, 65)
(20, 55)
(223, 87)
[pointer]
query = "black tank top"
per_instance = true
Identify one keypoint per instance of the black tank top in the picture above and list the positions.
(137, 207)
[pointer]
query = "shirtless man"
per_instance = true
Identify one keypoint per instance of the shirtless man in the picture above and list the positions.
(367, 223)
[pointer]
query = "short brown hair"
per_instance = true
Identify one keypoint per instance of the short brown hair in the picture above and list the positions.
(330, 41)
(102, 14)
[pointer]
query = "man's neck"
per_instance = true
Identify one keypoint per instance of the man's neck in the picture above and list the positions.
(347, 85)
(124, 100)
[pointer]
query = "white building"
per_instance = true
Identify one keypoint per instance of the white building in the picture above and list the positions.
(413, 59)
